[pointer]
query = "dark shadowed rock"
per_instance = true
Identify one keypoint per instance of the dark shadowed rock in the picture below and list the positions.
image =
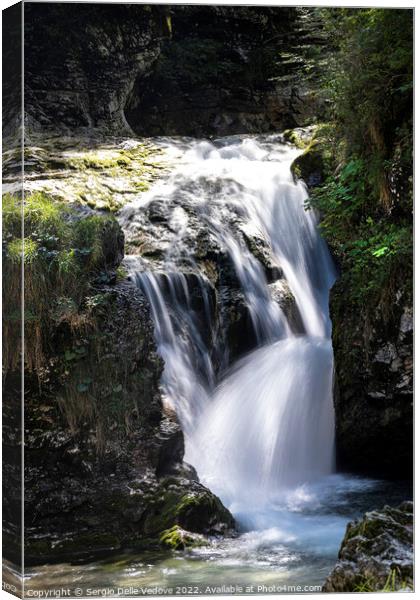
(81, 64)
(309, 165)
(374, 389)
(223, 72)
(168, 70)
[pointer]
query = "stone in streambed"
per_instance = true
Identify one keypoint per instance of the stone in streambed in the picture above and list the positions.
(376, 553)
(189, 505)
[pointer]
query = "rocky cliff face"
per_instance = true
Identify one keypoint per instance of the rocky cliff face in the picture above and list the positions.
(228, 70)
(167, 69)
(374, 388)
(81, 63)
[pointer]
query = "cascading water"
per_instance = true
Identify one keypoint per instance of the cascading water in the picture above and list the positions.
(259, 430)
(269, 424)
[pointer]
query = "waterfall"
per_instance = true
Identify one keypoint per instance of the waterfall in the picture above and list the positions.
(267, 424)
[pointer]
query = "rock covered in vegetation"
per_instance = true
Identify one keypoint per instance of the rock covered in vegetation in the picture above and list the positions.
(187, 504)
(371, 313)
(376, 553)
(366, 203)
(177, 538)
(98, 171)
(103, 466)
(309, 165)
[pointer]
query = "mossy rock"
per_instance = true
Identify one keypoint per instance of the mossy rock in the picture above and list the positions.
(309, 165)
(295, 137)
(101, 173)
(203, 512)
(177, 538)
(376, 523)
(198, 511)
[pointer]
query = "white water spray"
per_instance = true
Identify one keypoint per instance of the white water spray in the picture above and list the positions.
(269, 425)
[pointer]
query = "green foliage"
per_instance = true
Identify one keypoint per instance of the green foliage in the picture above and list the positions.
(365, 201)
(368, 81)
(61, 255)
(122, 273)
(375, 251)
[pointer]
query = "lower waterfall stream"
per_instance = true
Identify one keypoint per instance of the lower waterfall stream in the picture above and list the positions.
(259, 421)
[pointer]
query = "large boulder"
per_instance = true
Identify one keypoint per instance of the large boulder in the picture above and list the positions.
(376, 553)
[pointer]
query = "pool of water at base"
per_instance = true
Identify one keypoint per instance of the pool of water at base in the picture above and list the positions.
(291, 540)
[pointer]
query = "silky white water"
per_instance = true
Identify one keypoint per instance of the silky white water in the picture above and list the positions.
(268, 425)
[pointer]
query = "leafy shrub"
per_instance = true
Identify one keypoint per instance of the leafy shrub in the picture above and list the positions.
(366, 200)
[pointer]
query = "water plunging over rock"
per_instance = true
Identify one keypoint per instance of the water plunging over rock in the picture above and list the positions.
(225, 230)
(270, 424)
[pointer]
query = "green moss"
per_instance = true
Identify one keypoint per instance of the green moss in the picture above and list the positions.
(142, 186)
(293, 136)
(196, 511)
(200, 511)
(95, 161)
(162, 515)
(103, 175)
(177, 538)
